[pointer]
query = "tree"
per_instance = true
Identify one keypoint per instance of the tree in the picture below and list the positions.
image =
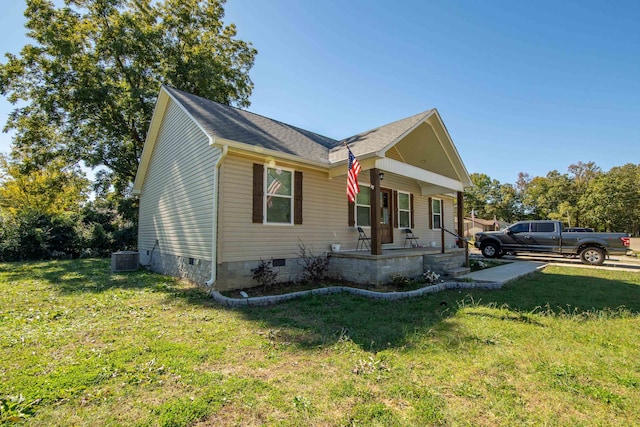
(38, 209)
(489, 199)
(54, 189)
(581, 175)
(86, 87)
(611, 201)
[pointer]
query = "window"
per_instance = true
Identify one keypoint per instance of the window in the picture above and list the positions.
(404, 210)
(436, 213)
(522, 227)
(363, 207)
(279, 196)
(543, 227)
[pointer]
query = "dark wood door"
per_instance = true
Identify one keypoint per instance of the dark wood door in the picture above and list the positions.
(386, 215)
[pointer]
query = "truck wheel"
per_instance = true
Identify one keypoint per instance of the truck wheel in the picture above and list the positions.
(490, 250)
(592, 255)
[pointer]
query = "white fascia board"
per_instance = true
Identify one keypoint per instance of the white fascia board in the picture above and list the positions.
(424, 176)
(458, 163)
(265, 153)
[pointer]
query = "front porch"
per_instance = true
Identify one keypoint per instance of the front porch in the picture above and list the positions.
(365, 268)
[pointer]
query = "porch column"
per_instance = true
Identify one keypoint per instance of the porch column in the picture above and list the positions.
(460, 213)
(376, 231)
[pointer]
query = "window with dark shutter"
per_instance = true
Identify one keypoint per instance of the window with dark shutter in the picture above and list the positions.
(281, 194)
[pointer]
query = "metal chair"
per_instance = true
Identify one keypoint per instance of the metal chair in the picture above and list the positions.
(363, 240)
(410, 238)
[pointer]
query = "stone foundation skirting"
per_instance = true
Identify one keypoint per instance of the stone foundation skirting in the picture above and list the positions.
(354, 267)
(193, 270)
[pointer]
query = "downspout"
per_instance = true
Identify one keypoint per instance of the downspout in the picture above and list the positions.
(214, 234)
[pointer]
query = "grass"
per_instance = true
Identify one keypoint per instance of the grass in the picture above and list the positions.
(81, 346)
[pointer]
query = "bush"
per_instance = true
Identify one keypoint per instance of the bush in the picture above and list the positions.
(264, 274)
(315, 266)
(34, 235)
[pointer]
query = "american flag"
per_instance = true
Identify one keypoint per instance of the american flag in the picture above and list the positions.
(352, 177)
(273, 189)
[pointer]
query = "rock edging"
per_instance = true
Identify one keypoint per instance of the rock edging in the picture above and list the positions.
(389, 296)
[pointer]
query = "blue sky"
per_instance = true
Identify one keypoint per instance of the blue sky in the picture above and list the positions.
(521, 86)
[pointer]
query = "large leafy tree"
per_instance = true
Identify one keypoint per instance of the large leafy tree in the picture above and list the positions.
(85, 87)
(55, 189)
(611, 201)
(38, 208)
(490, 199)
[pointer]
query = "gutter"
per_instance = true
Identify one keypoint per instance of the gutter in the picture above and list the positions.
(214, 234)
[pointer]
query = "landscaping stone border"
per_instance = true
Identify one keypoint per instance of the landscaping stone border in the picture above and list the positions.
(389, 296)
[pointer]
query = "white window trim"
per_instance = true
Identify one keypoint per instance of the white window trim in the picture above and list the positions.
(404, 210)
(266, 195)
(433, 214)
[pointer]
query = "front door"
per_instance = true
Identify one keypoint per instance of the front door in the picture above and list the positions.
(386, 215)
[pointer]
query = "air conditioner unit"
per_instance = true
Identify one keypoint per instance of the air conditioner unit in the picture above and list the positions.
(125, 261)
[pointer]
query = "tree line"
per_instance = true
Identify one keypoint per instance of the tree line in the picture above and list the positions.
(84, 90)
(584, 196)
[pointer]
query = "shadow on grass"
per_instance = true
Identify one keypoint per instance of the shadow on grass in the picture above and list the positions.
(374, 325)
(317, 321)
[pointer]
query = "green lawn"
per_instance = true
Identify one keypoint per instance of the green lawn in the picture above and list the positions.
(81, 346)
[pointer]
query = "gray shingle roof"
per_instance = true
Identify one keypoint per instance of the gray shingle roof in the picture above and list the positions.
(379, 138)
(223, 121)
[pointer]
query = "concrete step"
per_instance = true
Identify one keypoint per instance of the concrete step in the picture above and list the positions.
(457, 272)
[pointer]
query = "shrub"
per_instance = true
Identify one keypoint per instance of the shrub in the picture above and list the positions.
(264, 274)
(431, 277)
(315, 266)
(400, 280)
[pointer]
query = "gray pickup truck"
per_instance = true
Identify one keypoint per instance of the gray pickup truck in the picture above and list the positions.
(548, 237)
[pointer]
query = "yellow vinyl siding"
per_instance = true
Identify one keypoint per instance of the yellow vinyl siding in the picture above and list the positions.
(176, 202)
(324, 212)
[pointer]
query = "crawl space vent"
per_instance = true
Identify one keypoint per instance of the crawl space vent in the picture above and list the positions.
(125, 261)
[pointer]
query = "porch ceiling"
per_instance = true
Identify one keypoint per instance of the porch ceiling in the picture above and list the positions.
(430, 182)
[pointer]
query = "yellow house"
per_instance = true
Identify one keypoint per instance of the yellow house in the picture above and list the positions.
(222, 188)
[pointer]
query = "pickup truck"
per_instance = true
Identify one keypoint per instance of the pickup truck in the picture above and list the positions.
(548, 237)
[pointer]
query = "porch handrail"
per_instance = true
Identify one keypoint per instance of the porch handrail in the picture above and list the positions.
(460, 239)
